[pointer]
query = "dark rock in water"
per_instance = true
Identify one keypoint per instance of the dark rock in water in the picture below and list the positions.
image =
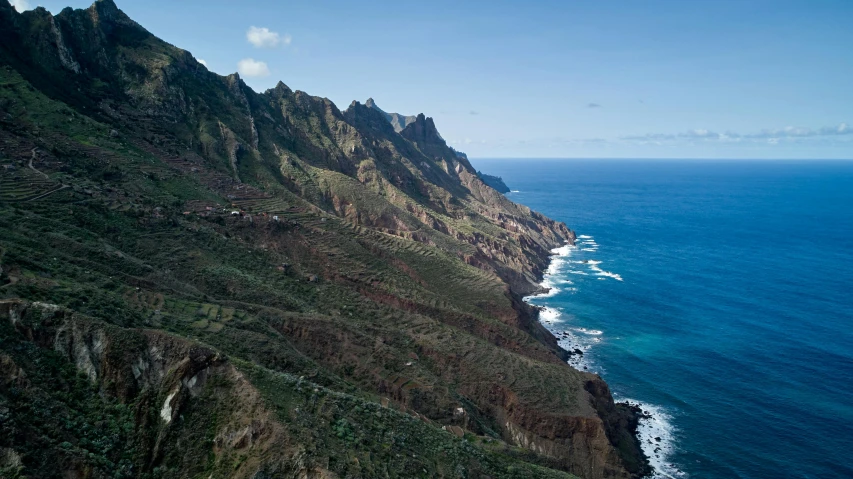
(578, 351)
(658, 439)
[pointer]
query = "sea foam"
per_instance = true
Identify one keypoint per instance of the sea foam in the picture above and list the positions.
(657, 438)
(655, 430)
(553, 318)
(597, 271)
(549, 281)
(593, 332)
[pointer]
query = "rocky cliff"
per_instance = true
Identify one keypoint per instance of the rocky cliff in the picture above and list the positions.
(398, 121)
(495, 182)
(237, 284)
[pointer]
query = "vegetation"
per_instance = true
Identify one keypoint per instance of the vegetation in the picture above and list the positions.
(197, 280)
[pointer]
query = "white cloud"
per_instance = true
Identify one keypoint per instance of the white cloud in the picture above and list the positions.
(249, 67)
(20, 5)
(202, 62)
(262, 37)
(789, 132)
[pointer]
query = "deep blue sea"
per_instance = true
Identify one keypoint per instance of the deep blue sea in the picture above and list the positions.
(718, 294)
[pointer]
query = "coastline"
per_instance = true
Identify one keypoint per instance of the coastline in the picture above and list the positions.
(648, 424)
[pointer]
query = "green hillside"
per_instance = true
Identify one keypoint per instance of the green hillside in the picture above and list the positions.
(198, 280)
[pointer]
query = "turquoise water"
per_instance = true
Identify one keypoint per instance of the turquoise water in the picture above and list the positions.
(719, 295)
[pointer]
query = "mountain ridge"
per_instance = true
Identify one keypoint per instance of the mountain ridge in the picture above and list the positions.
(398, 121)
(273, 243)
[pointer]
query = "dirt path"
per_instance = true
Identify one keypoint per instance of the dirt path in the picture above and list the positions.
(33, 157)
(48, 193)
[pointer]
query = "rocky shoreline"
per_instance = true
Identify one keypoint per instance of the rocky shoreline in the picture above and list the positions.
(621, 419)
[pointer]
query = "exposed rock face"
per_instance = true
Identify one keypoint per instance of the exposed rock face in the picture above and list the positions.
(403, 285)
(398, 121)
(149, 368)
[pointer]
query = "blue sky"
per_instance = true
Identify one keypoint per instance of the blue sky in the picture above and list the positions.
(657, 78)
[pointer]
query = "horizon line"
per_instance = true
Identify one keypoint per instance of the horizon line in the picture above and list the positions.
(648, 158)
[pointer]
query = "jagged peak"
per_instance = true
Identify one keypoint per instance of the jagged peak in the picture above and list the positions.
(234, 79)
(104, 9)
(423, 130)
(282, 88)
(106, 5)
(371, 103)
(397, 120)
(107, 12)
(6, 6)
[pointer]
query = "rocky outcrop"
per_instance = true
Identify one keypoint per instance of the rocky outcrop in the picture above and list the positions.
(162, 376)
(495, 182)
(398, 121)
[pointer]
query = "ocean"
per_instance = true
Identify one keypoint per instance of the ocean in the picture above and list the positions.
(718, 295)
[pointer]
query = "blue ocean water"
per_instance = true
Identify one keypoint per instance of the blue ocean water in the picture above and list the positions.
(719, 294)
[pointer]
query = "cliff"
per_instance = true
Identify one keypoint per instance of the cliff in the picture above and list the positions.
(199, 279)
(398, 121)
(495, 182)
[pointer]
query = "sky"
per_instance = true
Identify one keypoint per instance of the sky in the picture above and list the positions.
(570, 78)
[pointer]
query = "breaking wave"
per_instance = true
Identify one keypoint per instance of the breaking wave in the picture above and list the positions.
(657, 438)
(655, 431)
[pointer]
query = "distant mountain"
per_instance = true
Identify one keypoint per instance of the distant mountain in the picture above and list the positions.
(495, 182)
(199, 280)
(398, 121)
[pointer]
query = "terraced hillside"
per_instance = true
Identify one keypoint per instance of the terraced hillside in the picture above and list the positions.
(198, 280)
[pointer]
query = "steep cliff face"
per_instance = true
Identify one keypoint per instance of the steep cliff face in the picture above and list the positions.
(398, 121)
(179, 207)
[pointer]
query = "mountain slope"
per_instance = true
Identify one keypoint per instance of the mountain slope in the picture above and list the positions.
(398, 121)
(255, 285)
